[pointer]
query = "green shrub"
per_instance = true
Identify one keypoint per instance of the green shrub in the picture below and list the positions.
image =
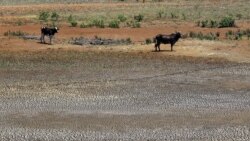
(98, 23)
(238, 35)
(136, 24)
(70, 18)
(198, 23)
(201, 36)
(227, 22)
(15, 33)
(148, 41)
(19, 23)
(83, 25)
(160, 14)
(122, 18)
(54, 17)
(73, 23)
(184, 16)
(239, 16)
(204, 23)
(43, 16)
(248, 33)
(114, 24)
(138, 18)
(173, 15)
(213, 24)
(128, 41)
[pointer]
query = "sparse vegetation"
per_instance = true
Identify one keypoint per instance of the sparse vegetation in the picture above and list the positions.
(139, 18)
(19, 23)
(204, 23)
(238, 35)
(54, 17)
(173, 15)
(15, 33)
(122, 17)
(114, 24)
(72, 21)
(43, 16)
(201, 36)
(83, 25)
(160, 14)
(98, 22)
(227, 22)
(148, 41)
(135, 24)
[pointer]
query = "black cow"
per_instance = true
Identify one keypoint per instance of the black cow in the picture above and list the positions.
(50, 32)
(166, 39)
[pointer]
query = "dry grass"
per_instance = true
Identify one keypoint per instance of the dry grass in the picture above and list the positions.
(165, 11)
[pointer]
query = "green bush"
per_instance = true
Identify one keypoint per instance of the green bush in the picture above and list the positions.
(43, 16)
(213, 24)
(201, 36)
(136, 24)
(227, 22)
(73, 23)
(174, 16)
(70, 18)
(204, 23)
(128, 41)
(114, 24)
(15, 33)
(160, 14)
(138, 18)
(239, 16)
(184, 16)
(19, 23)
(98, 23)
(83, 25)
(122, 18)
(54, 17)
(148, 41)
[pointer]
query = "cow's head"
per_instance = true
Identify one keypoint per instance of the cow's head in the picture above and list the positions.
(56, 29)
(178, 34)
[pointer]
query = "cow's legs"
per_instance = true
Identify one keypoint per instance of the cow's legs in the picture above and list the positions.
(159, 47)
(50, 39)
(42, 38)
(172, 47)
(156, 46)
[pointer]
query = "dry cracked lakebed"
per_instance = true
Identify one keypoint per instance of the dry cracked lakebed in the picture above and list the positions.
(102, 96)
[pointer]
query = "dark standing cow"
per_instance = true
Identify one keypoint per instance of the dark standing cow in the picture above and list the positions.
(166, 39)
(50, 32)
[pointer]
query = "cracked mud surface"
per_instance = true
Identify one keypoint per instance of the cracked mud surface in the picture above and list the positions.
(120, 96)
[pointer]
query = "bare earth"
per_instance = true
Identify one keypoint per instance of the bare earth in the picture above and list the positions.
(199, 92)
